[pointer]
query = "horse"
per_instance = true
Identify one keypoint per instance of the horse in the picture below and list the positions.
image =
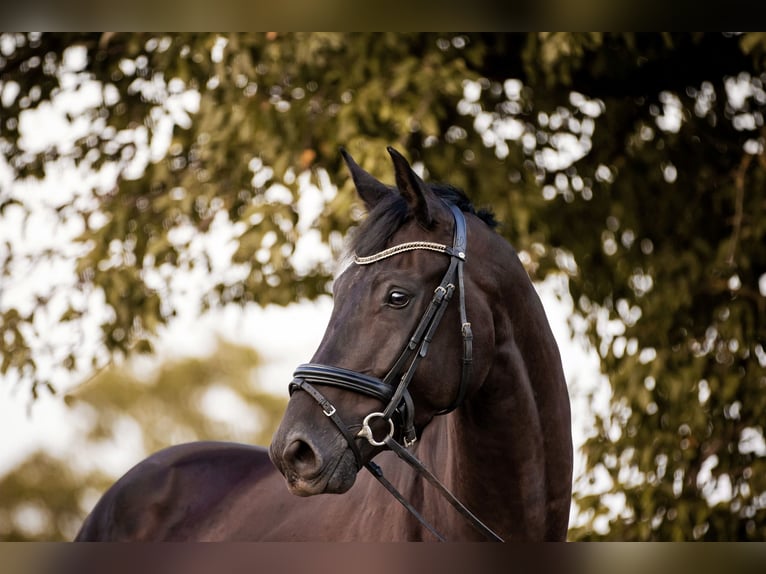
(438, 373)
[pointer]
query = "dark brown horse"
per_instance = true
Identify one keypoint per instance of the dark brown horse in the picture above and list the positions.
(471, 384)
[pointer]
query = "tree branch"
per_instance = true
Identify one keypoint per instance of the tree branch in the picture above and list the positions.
(739, 199)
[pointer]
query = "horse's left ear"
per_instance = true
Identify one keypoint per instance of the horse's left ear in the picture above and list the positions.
(413, 189)
(369, 189)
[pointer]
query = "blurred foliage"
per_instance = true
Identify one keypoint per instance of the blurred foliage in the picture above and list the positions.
(124, 415)
(632, 163)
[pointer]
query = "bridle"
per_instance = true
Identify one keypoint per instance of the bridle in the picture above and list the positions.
(392, 390)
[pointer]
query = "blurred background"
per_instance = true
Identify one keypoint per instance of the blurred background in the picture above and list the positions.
(172, 207)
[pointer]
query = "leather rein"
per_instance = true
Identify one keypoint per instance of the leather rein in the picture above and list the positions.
(392, 390)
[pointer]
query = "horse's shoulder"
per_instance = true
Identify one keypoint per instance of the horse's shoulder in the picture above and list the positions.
(161, 496)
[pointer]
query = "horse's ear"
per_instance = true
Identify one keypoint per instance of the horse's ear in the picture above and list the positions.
(370, 189)
(413, 189)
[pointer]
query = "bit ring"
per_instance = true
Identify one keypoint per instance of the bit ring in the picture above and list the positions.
(366, 430)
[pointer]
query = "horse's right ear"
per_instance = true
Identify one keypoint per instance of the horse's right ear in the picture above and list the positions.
(370, 189)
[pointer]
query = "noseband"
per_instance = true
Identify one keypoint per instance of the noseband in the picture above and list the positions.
(392, 390)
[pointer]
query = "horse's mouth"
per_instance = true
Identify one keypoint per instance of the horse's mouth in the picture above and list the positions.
(334, 478)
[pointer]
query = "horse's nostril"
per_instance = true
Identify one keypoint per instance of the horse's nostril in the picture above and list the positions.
(303, 453)
(302, 457)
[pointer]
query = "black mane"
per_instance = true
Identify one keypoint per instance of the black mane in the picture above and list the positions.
(374, 233)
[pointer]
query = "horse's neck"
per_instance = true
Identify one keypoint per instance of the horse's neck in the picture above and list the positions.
(497, 467)
(496, 457)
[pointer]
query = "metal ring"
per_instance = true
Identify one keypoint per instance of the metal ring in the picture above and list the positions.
(366, 431)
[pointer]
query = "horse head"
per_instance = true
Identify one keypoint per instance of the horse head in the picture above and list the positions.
(383, 329)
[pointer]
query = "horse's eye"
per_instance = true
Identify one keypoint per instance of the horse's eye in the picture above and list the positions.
(398, 299)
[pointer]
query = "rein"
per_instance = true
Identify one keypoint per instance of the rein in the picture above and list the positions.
(392, 390)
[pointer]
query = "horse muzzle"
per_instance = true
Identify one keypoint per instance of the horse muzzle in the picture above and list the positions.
(311, 464)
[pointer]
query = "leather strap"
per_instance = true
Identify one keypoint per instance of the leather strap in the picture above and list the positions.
(413, 461)
(377, 472)
(343, 378)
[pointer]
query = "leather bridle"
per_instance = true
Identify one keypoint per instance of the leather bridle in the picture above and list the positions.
(392, 390)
